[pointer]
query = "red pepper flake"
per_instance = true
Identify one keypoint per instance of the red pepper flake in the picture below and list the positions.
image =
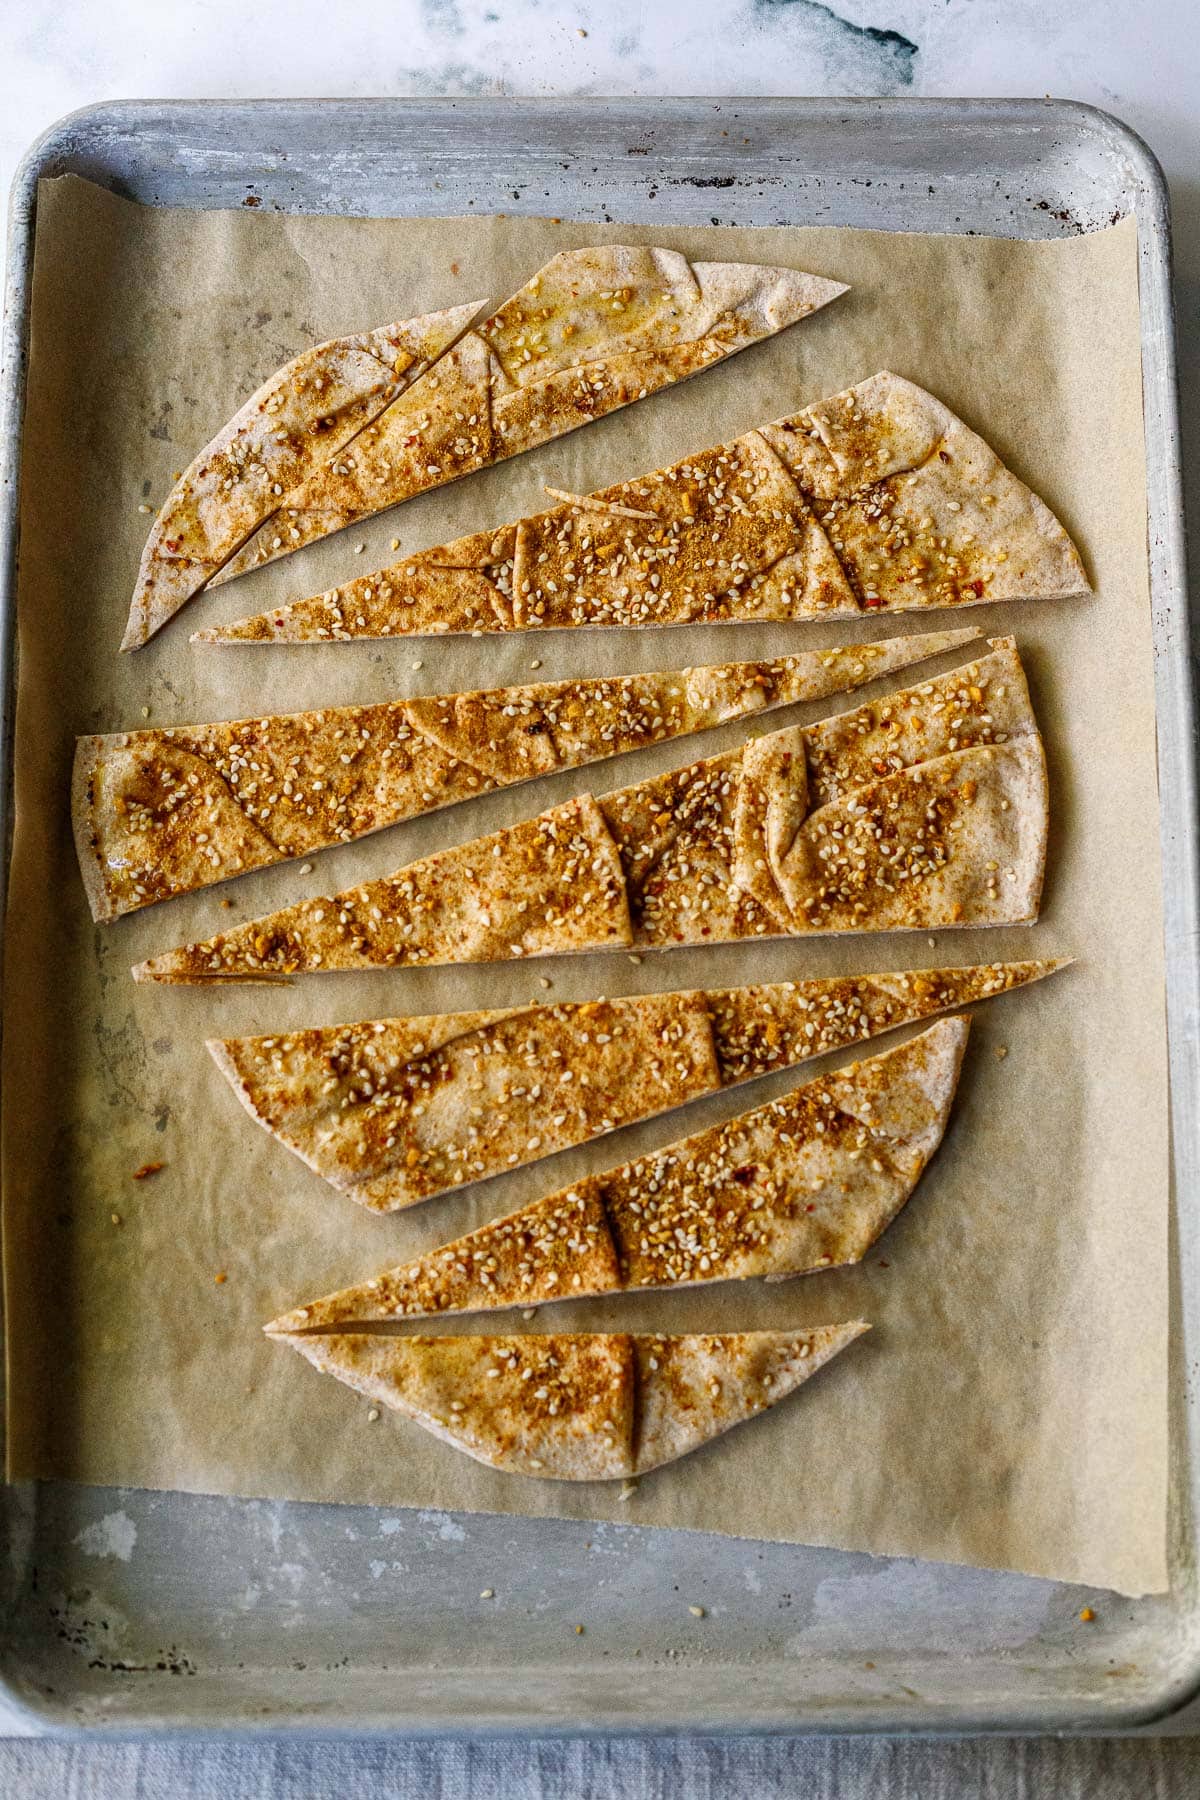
(220, 1277)
(147, 1169)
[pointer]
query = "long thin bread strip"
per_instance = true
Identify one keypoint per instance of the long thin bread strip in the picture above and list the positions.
(298, 419)
(810, 1181)
(594, 330)
(578, 1407)
(392, 1112)
(949, 830)
(877, 500)
(162, 812)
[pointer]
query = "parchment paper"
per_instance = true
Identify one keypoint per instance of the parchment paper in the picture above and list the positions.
(1010, 1409)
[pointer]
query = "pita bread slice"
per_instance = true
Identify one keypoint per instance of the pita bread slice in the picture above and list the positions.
(391, 1124)
(162, 812)
(394, 1111)
(807, 1182)
(299, 418)
(692, 1389)
(731, 848)
(559, 1407)
(594, 330)
(595, 1407)
(876, 500)
(552, 883)
(926, 810)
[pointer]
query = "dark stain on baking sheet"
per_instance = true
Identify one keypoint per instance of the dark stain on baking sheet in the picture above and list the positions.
(856, 54)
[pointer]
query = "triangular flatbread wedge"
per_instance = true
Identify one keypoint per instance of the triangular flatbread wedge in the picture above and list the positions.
(161, 812)
(807, 1182)
(297, 420)
(924, 810)
(877, 500)
(589, 1407)
(394, 1111)
(594, 330)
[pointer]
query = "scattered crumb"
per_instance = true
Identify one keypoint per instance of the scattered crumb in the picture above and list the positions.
(629, 1490)
(226, 902)
(372, 1415)
(146, 1169)
(143, 508)
(536, 663)
(395, 543)
(636, 960)
(145, 712)
(453, 271)
(487, 1593)
(1001, 1052)
(544, 981)
(418, 665)
(582, 33)
(359, 548)
(220, 1277)
(579, 1631)
(529, 1312)
(868, 1665)
(697, 1612)
(116, 1218)
(306, 868)
(1087, 1615)
(933, 943)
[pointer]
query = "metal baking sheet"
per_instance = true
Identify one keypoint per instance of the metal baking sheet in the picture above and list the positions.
(238, 1614)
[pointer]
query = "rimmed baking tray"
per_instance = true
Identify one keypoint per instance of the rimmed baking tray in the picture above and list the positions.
(239, 1614)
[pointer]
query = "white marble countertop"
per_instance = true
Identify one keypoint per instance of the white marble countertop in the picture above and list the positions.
(1140, 61)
